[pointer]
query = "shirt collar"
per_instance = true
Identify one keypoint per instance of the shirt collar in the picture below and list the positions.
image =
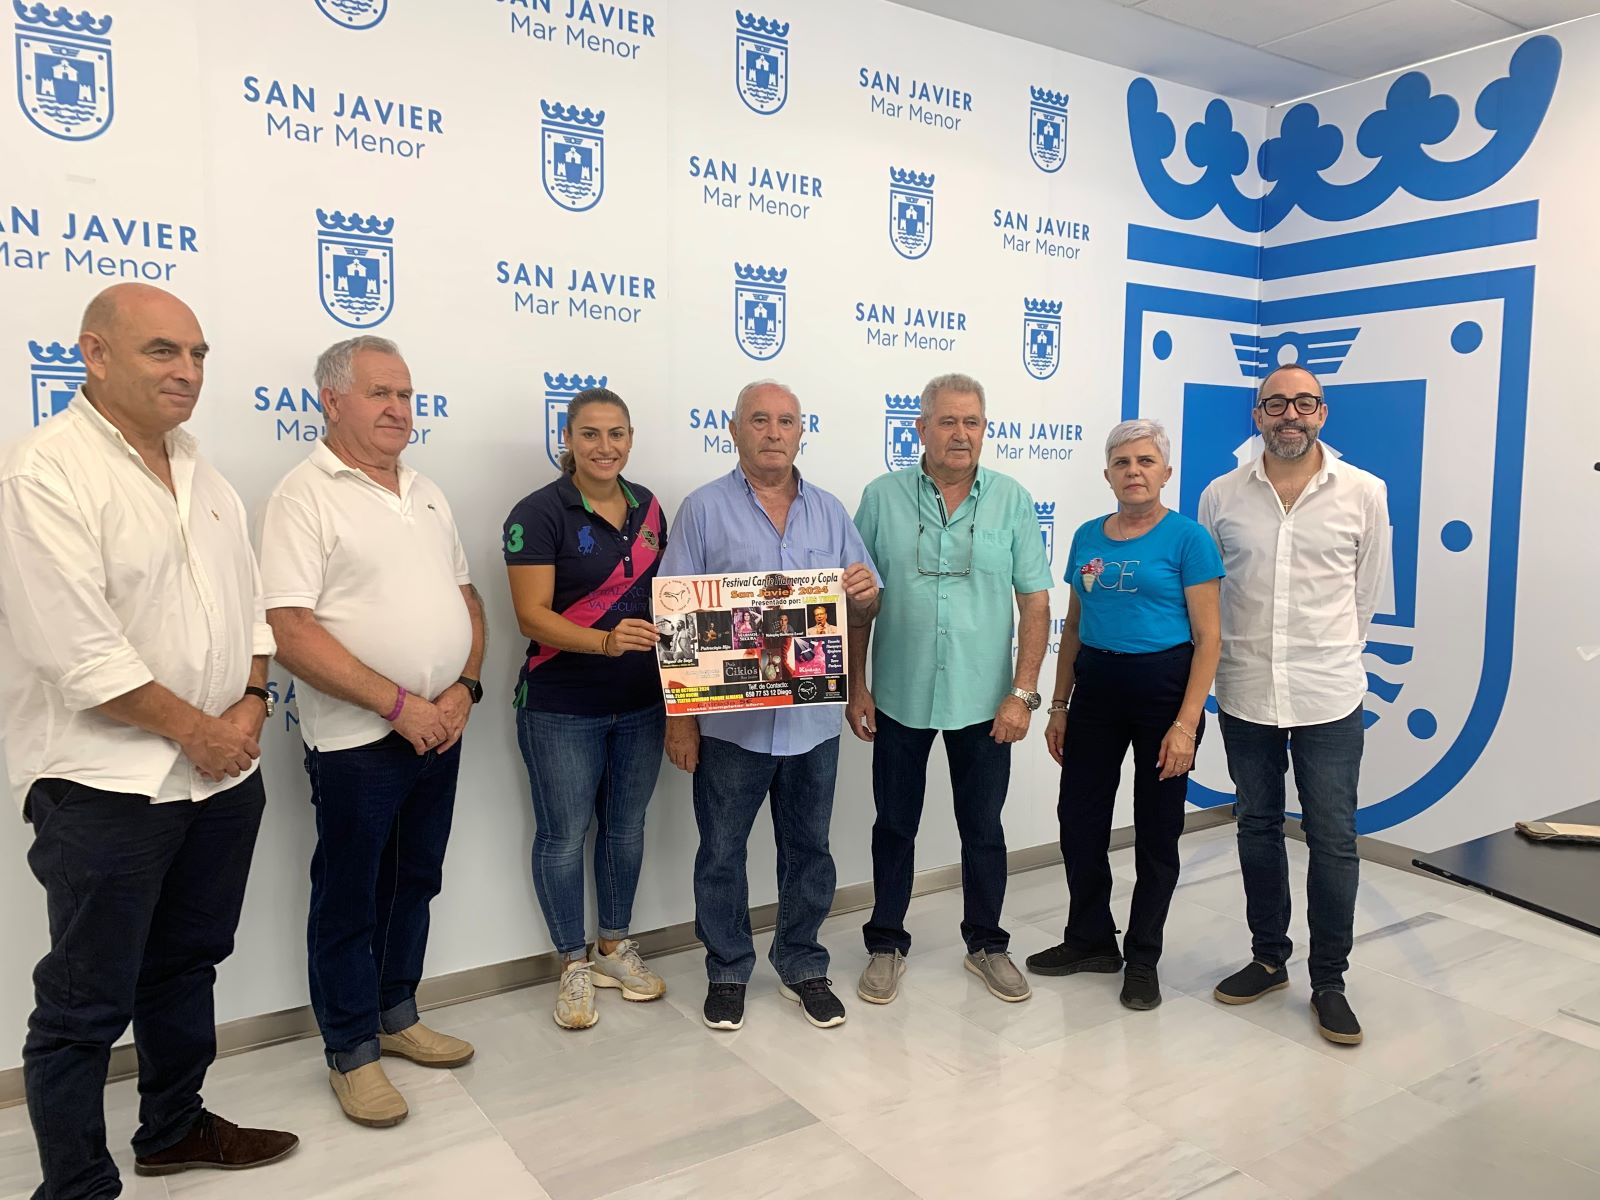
(331, 464)
(1331, 465)
(738, 476)
(978, 480)
(567, 489)
(180, 442)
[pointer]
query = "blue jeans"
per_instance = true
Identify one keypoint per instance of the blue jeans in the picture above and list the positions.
(582, 769)
(143, 902)
(383, 819)
(1327, 770)
(729, 785)
(980, 773)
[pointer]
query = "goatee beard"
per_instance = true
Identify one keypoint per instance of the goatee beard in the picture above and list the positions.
(1290, 450)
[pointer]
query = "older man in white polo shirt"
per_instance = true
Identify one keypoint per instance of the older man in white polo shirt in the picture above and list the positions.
(132, 654)
(368, 594)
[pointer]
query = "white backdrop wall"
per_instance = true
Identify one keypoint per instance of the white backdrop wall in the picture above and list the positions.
(231, 126)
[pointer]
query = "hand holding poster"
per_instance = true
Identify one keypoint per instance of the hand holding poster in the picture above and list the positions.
(756, 640)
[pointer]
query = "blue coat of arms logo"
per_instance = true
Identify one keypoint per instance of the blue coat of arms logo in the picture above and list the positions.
(573, 155)
(1411, 344)
(355, 268)
(558, 393)
(56, 375)
(64, 71)
(910, 212)
(1045, 511)
(760, 309)
(1047, 129)
(761, 62)
(902, 444)
(1041, 337)
(354, 14)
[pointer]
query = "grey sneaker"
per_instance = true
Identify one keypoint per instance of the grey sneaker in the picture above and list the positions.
(575, 997)
(623, 968)
(880, 982)
(999, 975)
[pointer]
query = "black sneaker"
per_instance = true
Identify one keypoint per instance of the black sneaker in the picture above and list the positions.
(1141, 989)
(816, 1000)
(1335, 1021)
(1251, 983)
(1065, 960)
(724, 1006)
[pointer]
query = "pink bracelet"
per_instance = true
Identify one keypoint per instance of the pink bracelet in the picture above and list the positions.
(399, 703)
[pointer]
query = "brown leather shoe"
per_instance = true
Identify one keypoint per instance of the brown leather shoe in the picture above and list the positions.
(220, 1145)
(367, 1096)
(426, 1047)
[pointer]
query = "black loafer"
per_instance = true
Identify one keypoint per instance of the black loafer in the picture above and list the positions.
(1335, 1021)
(1066, 960)
(1251, 983)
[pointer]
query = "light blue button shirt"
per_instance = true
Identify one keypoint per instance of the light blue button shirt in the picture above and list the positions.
(721, 529)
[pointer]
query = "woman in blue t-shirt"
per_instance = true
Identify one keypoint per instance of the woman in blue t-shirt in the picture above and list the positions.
(581, 553)
(1138, 652)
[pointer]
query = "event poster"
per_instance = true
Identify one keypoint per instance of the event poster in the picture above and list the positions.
(757, 640)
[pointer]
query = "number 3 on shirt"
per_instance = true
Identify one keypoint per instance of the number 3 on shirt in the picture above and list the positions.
(514, 539)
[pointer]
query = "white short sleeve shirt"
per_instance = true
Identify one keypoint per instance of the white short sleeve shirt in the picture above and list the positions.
(382, 573)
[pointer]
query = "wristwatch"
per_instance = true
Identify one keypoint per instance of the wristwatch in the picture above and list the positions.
(266, 698)
(473, 686)
(1031, 699)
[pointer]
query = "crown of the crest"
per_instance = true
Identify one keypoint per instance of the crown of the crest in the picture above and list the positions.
(572, 384)
(61, 20)
(1044, 508)
(1042, 308)
(571, 114)
(1396, 136)
(750, 273)
(903, 404)
(1045, 98)
(338, 222)
(907, 178)
(55, 354)
(766, 25)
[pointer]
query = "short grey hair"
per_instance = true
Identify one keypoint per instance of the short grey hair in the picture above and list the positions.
(335, 367)
(1261, 389)
(1135, 431)
(750, 389)
(964, 385)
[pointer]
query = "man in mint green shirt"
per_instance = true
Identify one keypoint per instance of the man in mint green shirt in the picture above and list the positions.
(956, 546)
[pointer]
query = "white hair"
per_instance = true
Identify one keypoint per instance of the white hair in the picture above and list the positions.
(335, 367)
(1134, 431)
(961, 385)
(750, 389)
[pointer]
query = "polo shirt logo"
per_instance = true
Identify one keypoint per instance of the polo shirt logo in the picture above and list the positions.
(648, 537)
(586, 540)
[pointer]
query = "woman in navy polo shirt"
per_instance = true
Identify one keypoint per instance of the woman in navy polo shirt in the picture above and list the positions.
(1138, 652)
(581, 553)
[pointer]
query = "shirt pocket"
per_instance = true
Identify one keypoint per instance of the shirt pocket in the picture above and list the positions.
(991, 552)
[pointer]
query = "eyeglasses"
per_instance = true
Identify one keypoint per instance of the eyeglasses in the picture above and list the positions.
(1305, 404)
(972, 534)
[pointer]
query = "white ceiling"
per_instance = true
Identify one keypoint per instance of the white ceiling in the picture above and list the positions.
(1265, 51)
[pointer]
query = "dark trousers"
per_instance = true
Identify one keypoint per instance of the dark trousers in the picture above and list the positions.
(980, 772)
(730, 784)
(1327, 774)
(143, 902)
(1118, 701)
(383, 819)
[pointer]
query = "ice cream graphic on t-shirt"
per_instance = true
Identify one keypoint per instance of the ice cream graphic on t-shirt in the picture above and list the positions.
(1090, 571)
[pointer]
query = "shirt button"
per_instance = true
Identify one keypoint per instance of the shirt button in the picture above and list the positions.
(941, 666)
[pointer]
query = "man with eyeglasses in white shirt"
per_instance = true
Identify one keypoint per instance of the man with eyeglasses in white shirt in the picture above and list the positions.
(133, 658)
(1305, 541)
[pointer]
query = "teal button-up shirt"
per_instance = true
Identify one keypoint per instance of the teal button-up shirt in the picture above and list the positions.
(941, 646)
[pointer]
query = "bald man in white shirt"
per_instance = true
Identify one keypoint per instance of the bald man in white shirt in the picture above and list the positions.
(133, 654)
(1305, 540)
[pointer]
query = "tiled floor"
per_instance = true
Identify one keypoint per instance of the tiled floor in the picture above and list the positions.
(1478, 1077)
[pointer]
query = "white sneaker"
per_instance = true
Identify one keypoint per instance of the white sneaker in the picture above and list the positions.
(575, 997)
(623, 968)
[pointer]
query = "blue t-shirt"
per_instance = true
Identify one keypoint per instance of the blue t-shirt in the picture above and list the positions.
(1130, 594)
(602, 575)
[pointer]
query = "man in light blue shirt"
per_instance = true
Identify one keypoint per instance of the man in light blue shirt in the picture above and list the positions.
(957, 545)
(760, 517)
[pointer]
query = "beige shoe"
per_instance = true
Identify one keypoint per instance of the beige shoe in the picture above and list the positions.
(367, 1096)
(575, 996)
(426, 1047)
(623, 968)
